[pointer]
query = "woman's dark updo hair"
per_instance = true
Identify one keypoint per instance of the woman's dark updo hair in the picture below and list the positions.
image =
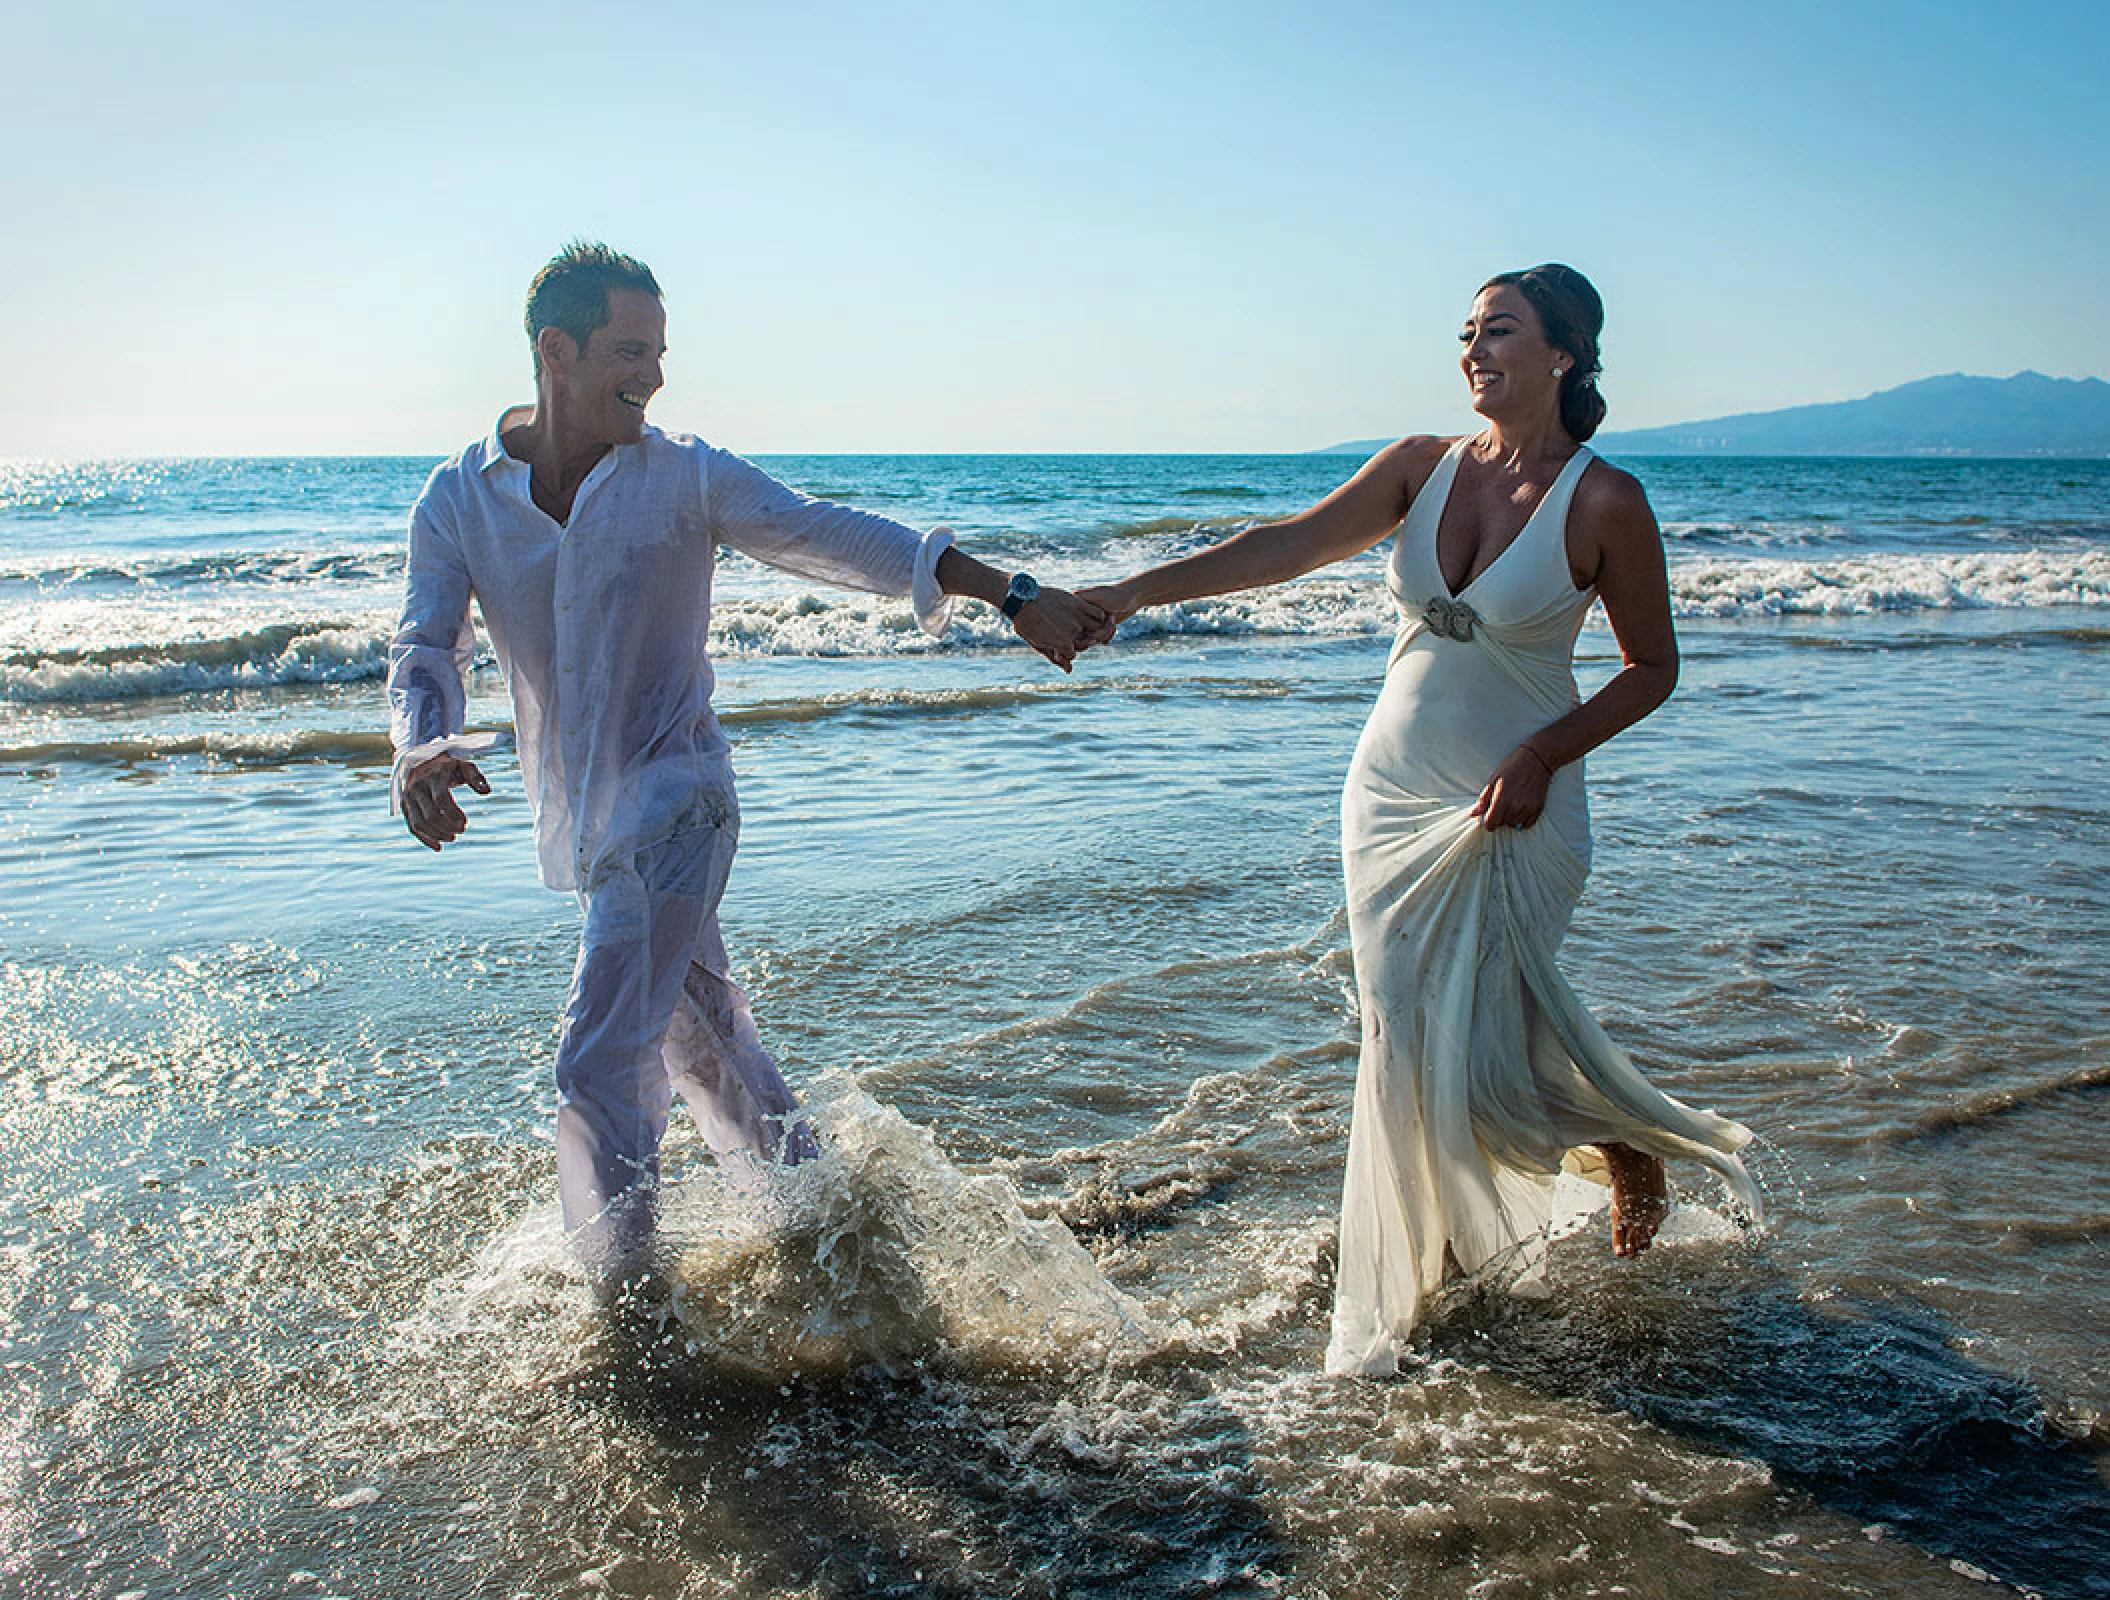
(1573, 316)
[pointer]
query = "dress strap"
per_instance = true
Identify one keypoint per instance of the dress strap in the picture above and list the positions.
(1555, 505)
(1426, 511)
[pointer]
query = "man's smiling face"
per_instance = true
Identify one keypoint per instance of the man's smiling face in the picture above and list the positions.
(604, 389)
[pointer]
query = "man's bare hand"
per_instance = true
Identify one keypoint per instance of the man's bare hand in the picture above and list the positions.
(1060, 625)
(429, 808)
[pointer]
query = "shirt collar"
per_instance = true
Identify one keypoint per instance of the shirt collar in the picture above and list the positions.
(494, 443)
(494, 447)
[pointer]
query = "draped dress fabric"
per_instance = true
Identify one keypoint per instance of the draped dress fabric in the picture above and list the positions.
(1480, 1067)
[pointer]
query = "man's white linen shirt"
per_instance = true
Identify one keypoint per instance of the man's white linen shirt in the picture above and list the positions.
(601, 624)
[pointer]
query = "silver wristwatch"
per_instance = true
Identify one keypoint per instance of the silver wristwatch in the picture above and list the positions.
(1023, 589)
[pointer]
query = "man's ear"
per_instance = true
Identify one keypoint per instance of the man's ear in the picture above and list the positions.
(556, 348)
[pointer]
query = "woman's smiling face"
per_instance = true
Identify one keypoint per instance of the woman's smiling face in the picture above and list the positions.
(1508, 365)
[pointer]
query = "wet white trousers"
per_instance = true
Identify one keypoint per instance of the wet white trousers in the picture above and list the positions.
(653, 1011)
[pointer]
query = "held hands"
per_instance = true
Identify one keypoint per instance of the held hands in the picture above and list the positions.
(429, 808)
(1061, 625)
(1516, 794)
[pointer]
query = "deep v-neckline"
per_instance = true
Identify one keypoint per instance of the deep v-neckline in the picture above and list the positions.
(1455, 594)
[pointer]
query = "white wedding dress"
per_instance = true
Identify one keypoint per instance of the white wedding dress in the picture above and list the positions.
(1480, 1066)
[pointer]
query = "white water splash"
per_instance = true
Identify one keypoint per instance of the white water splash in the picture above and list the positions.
(879, 1253)
(882, 1252)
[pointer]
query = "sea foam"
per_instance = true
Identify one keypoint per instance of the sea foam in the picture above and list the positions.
(76, 649)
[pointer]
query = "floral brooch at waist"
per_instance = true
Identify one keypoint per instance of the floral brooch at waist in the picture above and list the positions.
(1451, 619)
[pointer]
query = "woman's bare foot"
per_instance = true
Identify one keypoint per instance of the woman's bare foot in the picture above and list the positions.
(1640, 1198)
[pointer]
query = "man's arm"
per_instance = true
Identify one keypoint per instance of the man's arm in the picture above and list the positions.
(428, 661)
(758, 516)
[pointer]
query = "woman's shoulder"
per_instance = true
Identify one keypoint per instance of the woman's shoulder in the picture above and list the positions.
(1610, 492)
(1425, 448)
(1410, 460)
(1611, 516)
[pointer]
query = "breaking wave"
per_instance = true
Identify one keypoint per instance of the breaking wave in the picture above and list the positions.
(282, 653)
(248, 652)
(1861, 586)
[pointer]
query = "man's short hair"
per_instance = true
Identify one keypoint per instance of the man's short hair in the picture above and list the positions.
(571, 292)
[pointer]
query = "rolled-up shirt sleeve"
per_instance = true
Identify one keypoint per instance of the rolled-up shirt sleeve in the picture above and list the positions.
(755, 514)
(430, 655)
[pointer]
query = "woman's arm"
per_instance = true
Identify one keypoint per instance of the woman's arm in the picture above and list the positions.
(1622, 547)
(1350, 520)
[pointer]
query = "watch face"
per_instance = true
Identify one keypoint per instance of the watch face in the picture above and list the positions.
(1023, 588)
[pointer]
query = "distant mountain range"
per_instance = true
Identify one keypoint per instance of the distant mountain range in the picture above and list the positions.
(1957, 415)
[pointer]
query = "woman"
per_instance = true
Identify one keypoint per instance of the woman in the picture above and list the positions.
(1465, 830)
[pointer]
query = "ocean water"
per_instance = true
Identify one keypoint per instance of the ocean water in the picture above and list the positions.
(1061, 964)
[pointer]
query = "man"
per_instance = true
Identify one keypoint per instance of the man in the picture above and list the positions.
(587, 537)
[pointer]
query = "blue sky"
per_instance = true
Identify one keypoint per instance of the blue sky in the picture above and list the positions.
(1095, 226)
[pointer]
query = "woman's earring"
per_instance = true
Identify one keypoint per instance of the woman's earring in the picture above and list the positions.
(1560, 372)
